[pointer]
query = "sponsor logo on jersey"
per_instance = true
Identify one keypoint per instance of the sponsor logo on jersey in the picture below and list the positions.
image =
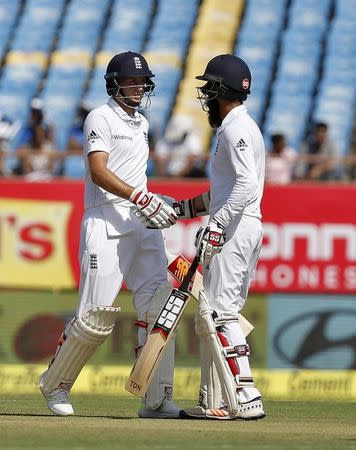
(92, 136)
(122, 137)
(241, 144)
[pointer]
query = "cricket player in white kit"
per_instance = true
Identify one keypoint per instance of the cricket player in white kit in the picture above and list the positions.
(230, 244)
(114, 245)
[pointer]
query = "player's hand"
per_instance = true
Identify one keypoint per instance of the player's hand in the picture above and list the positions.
(181, 207)
(209, 241)
(152, 210)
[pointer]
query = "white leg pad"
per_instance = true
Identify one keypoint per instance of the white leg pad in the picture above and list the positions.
(87, 333)
(161, 386)
(210, 387)
(227, 380)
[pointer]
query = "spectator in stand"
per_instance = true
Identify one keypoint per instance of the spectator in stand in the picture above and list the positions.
(319, 156)
(280, 161)
(76, 136)
(36, 152)
(72, 158)
(180, 152)
(3, 152)
(350, 163)
(8, 129)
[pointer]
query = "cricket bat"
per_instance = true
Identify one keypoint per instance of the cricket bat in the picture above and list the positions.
(178, 266)
(159, 336)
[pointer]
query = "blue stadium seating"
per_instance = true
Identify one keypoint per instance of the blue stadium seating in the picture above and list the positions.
(37, 26)
(297, 70)
(301, 53)
(77, 43)
(8, 15)
(266, 19)
(128, 33)
(336, 96)
(169, 36)
(119, 36)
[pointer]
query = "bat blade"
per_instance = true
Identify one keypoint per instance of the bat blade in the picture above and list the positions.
(178, 266)
(156, 343)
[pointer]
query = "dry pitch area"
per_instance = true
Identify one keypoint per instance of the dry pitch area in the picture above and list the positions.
(104, 423)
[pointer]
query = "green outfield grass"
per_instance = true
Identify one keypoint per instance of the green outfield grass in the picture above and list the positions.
(108, 423)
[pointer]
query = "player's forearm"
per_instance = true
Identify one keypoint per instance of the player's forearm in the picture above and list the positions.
(107, 180)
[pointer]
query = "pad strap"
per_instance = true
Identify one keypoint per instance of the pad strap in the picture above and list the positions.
(226, 373)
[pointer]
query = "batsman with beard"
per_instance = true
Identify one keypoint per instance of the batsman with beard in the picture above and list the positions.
(229, 246)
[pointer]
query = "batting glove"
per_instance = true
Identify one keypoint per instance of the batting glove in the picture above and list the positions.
(209, 241)
(152, 210)
(186, 209)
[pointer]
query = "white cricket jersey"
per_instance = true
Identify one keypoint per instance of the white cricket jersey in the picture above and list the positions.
(110, 129)
(237, 168)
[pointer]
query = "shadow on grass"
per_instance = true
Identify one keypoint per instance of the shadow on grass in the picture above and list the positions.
(72, 417)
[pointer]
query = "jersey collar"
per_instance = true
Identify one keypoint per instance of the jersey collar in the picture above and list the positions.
(136, 118)
(240, 109)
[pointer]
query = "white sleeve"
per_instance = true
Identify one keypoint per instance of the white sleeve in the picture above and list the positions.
(240, 151)
(97, 136)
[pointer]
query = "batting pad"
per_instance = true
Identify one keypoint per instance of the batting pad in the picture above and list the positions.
(227, 380)
(161, 385)
(210, 387)
(87, 333)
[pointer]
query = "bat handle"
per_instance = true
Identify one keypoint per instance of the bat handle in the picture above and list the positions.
(189, 276)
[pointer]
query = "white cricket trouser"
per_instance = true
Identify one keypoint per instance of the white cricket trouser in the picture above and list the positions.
(114, 247)
(227, 282)
(229, 275)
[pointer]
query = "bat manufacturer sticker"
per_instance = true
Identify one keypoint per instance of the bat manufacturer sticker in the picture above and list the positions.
(172, 310)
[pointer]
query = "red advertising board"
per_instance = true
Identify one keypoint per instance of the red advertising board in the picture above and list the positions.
(309, 243)
(309, 239)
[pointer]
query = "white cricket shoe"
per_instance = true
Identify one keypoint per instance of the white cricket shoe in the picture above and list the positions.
(167, 410)
(57, 400)
(251, 410)
(199, 412)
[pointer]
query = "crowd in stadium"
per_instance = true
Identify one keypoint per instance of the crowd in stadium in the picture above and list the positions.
(303, 85)
(178, 153)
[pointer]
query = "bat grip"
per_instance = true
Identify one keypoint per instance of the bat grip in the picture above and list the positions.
(189, 276)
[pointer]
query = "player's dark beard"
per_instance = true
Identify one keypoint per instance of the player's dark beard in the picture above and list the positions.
(214, 113)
